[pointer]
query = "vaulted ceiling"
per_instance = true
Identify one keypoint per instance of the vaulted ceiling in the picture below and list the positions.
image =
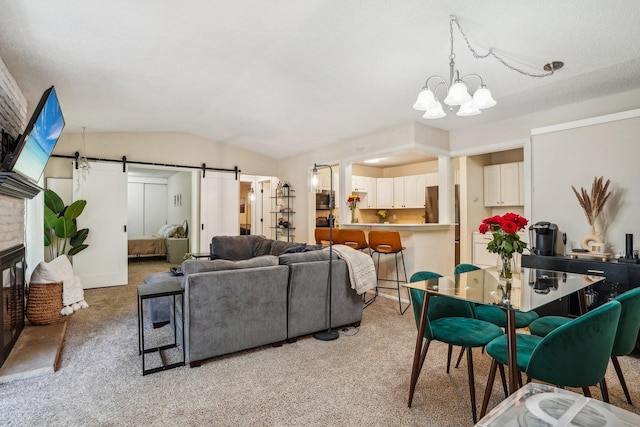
(282, 77)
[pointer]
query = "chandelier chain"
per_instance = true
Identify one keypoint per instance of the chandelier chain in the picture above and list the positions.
(491, 52)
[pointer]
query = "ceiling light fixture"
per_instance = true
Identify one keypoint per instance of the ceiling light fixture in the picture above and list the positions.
(457, 88)
(376, 160)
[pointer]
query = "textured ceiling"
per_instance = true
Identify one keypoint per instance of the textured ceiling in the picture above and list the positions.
(282, 77)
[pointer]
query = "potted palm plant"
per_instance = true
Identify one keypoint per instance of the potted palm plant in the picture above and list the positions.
(61, 234)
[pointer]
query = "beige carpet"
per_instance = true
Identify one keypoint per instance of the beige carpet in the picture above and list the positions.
(360, 379)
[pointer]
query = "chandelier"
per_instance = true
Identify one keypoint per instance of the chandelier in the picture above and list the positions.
(457, 89)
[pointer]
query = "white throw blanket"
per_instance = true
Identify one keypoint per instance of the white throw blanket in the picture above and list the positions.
(362, 272)
(61, 270)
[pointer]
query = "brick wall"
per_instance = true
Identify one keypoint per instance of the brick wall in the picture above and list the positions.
(13, 119)
(13, 104)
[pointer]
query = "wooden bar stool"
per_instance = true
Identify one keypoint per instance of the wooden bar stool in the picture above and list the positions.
(353, 238)
(389, 243)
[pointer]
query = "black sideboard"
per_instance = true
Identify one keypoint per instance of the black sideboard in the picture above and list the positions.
(619, 278)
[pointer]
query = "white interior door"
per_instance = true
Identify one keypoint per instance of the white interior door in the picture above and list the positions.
(219, 195)
(104, 262)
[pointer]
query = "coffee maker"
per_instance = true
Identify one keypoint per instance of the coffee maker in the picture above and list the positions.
(542, 236)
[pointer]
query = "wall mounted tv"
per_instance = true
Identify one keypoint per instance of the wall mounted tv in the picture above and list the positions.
(33, 148)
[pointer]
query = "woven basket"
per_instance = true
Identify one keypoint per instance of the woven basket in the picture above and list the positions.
(44, 303)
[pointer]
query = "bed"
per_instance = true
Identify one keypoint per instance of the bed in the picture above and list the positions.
(155, 244)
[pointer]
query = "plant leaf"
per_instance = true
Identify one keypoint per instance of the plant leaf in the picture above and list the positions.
(65, 228)
(47, 237)
(80, 237)
(77, 249)
(74, 210)
(53, 201)
(50, 219)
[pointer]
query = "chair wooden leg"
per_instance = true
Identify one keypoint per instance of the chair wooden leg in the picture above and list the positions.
(472, 385)
(460, 357)
(504, 380)
(586, 391)
(449, 350)
(604, 390)
(489, 386)
(423, 355)
(616, 365)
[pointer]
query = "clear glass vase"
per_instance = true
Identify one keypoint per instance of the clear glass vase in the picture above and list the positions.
(506, 268)
(353, 216)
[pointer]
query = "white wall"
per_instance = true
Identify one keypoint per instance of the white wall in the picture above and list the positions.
(180, 183)
(574, 157)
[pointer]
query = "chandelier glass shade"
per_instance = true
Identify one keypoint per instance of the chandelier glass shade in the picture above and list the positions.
(459, 93)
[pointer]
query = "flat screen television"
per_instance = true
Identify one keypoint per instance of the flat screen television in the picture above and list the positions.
(34, 147)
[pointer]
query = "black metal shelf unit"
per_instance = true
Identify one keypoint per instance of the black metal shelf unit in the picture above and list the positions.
(283, 212)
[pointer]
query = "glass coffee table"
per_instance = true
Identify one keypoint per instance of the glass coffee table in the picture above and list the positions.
(531, 289)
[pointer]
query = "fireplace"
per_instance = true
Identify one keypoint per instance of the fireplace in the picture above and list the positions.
(13, 296)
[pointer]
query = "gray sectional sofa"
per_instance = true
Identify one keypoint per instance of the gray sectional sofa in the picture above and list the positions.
(257, 291)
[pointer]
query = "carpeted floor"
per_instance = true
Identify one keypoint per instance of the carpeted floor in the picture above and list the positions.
(360, 379)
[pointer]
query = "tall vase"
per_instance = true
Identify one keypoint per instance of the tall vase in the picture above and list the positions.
(353, 216)
(506, 268)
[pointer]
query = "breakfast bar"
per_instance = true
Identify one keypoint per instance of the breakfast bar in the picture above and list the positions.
(428, 247)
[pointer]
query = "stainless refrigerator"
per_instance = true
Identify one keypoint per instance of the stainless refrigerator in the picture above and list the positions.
(431, 205)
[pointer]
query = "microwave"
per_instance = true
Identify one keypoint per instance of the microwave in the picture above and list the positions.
(323, 199)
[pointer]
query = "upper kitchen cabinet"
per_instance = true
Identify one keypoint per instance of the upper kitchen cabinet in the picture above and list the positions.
(503, 185)
(384, 193)
(408, 191)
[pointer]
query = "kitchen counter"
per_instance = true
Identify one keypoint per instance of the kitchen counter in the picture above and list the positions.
(398, 227)
(429, 247)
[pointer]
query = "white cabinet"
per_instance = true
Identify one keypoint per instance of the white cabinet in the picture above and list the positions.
(408, 191)
(384, 193)
(365, 187)
(521, 179)
(369, 199)
(359, 184)
(481, 256)
(431, 179)
(398, 192)
(502, 185)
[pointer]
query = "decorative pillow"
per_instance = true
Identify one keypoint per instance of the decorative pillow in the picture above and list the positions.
(61, 270)
(295, 249)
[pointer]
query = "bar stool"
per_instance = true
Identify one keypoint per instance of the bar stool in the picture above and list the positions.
(353, 238)
(322, 236)
(387, 243)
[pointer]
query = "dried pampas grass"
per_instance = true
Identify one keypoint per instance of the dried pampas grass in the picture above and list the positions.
(594, 203)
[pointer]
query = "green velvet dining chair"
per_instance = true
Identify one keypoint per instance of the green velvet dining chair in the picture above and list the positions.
(451, 321)
(575, 354)
(492, 313)
(626, 334)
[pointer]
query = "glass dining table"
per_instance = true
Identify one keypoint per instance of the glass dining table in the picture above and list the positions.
(531, 289)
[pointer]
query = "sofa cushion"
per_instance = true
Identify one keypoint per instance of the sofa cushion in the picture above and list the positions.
(235, 247)
(310, 256)
(199, 266)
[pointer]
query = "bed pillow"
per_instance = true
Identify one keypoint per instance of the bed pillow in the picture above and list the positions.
(167, 230)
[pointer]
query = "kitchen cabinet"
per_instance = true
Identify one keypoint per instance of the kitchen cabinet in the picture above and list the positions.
(359, 184)
(481, 256)
(502, 185)
(384, 193)
(408, 191)
(431, 179)
(370, 200)
(365, 187)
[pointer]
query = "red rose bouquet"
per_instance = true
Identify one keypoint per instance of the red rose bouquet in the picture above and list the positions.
(504, 229)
